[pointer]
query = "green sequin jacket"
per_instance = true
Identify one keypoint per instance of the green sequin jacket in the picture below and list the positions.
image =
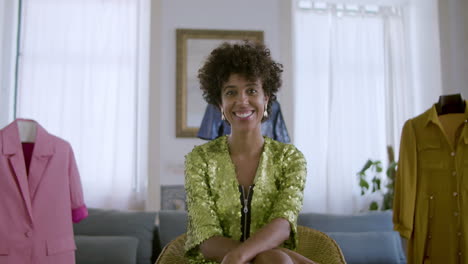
(213, 201)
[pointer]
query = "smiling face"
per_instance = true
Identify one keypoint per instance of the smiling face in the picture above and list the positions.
(243, 103)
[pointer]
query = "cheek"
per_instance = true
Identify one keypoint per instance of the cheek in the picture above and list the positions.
(225, 106)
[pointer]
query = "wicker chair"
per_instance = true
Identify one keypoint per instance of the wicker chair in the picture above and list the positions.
(313, 244)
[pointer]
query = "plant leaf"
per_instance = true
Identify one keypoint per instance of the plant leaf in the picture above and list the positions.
(366, 167)
(364, 184)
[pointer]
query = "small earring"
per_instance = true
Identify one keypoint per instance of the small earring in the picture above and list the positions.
(222, 115)
(265, 112)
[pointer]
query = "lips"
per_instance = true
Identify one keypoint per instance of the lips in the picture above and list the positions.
(244, 114)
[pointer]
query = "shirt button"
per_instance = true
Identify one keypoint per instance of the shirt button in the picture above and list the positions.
(452, 154)
(455, 193)
(459, 253)
(455, 213)
(454, 173)
(459, 234)
(429, 237)
(431, 197)
(28, 234)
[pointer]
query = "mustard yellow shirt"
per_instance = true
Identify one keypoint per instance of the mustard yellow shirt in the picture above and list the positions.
(213, 197)
(430, 206)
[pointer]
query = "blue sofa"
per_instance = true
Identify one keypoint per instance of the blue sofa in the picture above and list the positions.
(117, 237)
(363, 238)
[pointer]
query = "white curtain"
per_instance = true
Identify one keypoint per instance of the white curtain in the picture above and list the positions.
(352, 97)
(78, 77)
(8, 36)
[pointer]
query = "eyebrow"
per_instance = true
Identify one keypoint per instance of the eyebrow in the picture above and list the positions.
(233, 86)
(229, 87)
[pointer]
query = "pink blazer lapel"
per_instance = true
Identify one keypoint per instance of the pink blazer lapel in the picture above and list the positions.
(12, 148)
(43, 151)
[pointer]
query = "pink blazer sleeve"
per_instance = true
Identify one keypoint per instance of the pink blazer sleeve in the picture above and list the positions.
(79, 210)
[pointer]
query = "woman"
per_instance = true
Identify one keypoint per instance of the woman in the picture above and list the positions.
(244, 191)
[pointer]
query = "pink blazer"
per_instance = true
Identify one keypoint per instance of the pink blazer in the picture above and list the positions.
(36, 210)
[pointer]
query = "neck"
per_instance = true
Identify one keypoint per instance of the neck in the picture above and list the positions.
(245, 143)
(452, 103)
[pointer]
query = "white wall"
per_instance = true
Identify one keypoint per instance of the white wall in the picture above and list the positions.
(454, 46)
(8, 30)
(167, 165)
(423, 34)
(439, 49)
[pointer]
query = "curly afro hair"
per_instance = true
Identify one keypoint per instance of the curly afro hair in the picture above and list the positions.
(251, 60)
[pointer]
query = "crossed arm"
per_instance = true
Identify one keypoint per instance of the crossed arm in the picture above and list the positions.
(261, 247)
(226, 250)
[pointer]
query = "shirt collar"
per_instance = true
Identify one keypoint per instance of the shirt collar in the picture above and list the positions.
(431, 114)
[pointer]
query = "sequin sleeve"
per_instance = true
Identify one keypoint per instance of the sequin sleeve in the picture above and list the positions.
(203, 221)
(291, 191)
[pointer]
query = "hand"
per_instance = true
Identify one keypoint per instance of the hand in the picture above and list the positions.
(296, 257)
(233, 257)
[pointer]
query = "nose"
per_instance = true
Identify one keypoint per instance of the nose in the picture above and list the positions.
(242, 98)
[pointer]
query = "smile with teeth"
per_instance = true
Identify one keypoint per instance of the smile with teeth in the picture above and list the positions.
(244, 114)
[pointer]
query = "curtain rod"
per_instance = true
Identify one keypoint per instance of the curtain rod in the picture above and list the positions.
(309, 3)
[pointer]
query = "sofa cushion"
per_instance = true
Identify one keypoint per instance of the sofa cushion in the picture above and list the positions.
(366, 222)
(370, 247)
(106, 249)
(140, 225)
(172, 223)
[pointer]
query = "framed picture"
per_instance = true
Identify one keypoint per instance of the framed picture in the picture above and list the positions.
(193, 47)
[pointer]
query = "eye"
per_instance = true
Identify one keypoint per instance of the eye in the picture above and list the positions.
(228, 93)
(252, 91)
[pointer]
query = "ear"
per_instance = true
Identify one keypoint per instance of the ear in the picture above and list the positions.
(266, 99)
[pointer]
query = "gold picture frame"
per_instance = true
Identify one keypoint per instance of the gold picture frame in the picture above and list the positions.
(193, 46)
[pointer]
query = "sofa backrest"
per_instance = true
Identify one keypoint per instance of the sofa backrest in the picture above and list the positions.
(140, 225)
(171, 224)
(363, 238)
(366, 222)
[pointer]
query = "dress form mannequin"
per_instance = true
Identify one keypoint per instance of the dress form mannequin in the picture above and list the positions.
(451, 103)
(27, 134)
(40, 182)
(430, 183)
(27, 130)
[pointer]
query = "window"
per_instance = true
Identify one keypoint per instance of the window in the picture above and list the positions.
(351, 73)
(79, 77)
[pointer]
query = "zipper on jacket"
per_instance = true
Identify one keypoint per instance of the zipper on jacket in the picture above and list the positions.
(246, 212)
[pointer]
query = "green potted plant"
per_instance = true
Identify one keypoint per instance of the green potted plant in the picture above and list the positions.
(371, 180)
